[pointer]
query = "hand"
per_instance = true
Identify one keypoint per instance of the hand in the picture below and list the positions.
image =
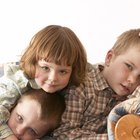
(11, 137)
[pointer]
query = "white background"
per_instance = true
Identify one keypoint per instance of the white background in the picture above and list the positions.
(97, 23)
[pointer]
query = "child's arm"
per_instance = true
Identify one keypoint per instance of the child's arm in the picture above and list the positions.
(12, 85)
(126, 107)
(8, 97)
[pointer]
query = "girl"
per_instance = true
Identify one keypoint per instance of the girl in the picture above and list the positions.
(55, 60)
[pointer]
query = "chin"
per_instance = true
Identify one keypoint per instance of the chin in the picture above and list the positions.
(49, 90)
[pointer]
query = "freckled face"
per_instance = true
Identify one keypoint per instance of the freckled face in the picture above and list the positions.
(52, 77)
(123, 72)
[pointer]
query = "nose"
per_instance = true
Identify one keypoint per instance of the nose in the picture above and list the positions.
(20, 131)
(131, 79)
(52, 76)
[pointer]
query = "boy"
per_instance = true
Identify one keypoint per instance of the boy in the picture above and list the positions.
(37, 113)
(88, 106)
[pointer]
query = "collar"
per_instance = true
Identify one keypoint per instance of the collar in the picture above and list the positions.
(99, 81)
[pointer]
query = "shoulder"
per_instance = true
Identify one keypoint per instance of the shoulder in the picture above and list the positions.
(94, 74)
(10, 68)
(14, 76)
(94, 68)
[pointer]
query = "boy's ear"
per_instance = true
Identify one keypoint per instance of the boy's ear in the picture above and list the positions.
(109, 57)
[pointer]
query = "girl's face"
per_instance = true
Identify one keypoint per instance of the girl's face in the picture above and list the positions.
(123, 72)
(51, 77)
(25, 121)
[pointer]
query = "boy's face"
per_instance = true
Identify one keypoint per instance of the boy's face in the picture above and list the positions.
(51, 77)
(123, 71)
(24, 120)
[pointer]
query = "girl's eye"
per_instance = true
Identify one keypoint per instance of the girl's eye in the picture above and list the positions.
(45, 68)
(63, 72)
(129, 66)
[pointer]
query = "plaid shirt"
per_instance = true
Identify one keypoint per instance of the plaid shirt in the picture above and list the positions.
(12, 85)
(87, 108)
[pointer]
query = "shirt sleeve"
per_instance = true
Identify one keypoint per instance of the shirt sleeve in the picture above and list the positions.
(12, 85)
(130, 106)
(136, 93)
(4, 129)
(72, 127)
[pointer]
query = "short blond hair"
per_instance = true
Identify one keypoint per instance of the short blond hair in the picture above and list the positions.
(58, 45)
(128, 39)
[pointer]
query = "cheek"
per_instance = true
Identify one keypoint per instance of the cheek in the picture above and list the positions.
(123, 71)
(40, 76)
(37, 74)
(121, 74)
(40, 79)
(66, 80)
(11, 122)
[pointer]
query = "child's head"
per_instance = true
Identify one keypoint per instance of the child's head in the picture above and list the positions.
(58, 45)
(37, 113)
(122, 63)
(127, 40)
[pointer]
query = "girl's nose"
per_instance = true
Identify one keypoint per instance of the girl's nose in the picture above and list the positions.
(52, 76)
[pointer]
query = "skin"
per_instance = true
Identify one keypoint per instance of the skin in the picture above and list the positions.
(123, 71)
(52, 77)
(25, 121)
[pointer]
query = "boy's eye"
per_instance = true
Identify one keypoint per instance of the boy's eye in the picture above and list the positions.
(32, 132)
(129, 66)
(19, 118)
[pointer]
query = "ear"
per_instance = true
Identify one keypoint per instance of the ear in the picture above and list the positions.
(109, 57)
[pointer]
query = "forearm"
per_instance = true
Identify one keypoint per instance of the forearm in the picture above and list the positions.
(8, 98)
(5, 131)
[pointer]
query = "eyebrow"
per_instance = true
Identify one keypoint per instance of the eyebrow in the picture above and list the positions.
(132, 63)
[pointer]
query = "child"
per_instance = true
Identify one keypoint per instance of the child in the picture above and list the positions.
(91, 93)
(37, 113)
(54, 61)
(130, 106)
(88, 105)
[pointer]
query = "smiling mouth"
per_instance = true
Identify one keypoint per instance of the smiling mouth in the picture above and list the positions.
(50, 85)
